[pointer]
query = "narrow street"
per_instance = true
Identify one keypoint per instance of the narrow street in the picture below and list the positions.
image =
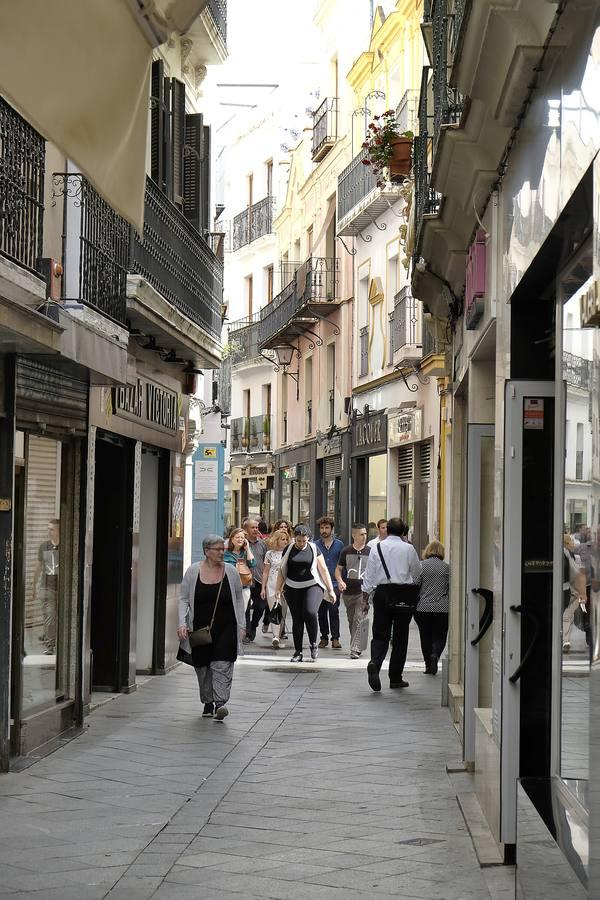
(313, 786)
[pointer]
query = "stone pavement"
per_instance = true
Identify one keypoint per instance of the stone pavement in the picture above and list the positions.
(313, 787)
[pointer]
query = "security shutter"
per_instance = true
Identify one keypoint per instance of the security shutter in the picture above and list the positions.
(406, 458)
(42, 504)
(177, 137)
(333, 467)
(425, 462)
(49, 398)
(192, 170)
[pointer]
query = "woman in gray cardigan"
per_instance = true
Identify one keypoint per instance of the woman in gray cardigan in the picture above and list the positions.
(211, 591)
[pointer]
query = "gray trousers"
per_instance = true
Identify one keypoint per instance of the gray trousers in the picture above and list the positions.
(214, 681)
(353, 604)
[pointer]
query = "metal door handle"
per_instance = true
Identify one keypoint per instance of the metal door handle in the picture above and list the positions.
(519, 670)
(488, 613)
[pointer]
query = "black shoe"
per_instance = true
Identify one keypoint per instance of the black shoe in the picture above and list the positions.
(433, 664)
(252, 633)
(297, 657)
(208, 711)
(373, 676)
(314, 651)
(427, 670)
(399, 684)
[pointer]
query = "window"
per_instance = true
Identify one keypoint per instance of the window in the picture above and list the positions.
(249, 295)
(309, 242)
(308, 376)
(579, 453)
(284, 409)
(269, 168)
(331, 383)
(269, 284)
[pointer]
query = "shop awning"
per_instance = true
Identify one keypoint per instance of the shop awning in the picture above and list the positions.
(78, 71)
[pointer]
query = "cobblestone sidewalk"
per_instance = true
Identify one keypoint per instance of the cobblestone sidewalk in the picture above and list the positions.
(313, 787)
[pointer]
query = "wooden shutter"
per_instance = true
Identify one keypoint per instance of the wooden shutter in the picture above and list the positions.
(157, 160)
(192, 180)
(405, 464)
(177, 137)
(205, 176)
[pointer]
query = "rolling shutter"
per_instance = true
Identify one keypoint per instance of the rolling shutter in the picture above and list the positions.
(406, 458)
(333, 467)
(42, 504)
(50, 399)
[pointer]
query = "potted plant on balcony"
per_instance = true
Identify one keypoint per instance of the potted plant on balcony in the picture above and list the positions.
(389, 150)
(267, 433)
(253, 436)
(246, 434)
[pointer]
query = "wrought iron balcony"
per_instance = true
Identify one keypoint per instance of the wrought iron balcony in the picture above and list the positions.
(447, 101)
(427, 200)
(176, 260)
(325, 127)
(458, 18)
(359, 200)
(364, 351)
(243, 340)
(251, 434)
(218, 11)
(577, 371)
(407, 110)
(22, 161)
(431, 346)
(310, 295)
(253, 223)
(407, 331)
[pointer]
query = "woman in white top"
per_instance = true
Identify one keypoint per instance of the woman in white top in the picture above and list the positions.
(277, 544)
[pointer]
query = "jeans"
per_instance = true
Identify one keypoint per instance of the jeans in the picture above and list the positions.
(433, 631)
(383, 620)
(329, 615)
(304, 606)
(258, 607)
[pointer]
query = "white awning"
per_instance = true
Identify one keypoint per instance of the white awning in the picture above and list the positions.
(79, 70)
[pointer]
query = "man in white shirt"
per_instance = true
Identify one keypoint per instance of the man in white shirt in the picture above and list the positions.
(382, 533)
(404, 568)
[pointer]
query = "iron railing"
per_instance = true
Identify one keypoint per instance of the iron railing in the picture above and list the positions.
(253, 223)
(218, 10)
(406, 111)
(406, 319)
(392, 335)
(427, 200)
(325, 126)
(22, 162)
(459, 10)
(243, 339)
(251, 434)
(447, 101)
(176, 260)
(431, 346)
(364, 350)
(355, 182)
(426, 11)
(576, 370)
(315, 281)
(239, 434)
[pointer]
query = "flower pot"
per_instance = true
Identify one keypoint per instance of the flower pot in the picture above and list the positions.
(401, 161)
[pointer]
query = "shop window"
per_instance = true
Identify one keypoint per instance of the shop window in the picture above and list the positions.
(377, 508)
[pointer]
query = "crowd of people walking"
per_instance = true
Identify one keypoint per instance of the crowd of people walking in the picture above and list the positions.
(253, 577)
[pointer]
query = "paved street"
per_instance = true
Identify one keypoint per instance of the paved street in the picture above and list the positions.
(313, 787)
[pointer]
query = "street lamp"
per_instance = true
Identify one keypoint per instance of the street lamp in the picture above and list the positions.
(284, 355)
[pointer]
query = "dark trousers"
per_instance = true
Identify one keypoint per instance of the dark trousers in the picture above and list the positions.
(304, 605)
(433, 631)
(258, 607)
(329, 617)
(383, 620)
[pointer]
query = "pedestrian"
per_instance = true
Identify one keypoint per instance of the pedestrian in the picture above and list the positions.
(329, 613)
(263, 529)
(239, 554)
(431, 614)
(349, 575)
(283, 523)
(574, 589)
(382, 533)
(211, 595)
(392, 575)
(258, 606)
(277, 544)
(45, 584)
(306, 578)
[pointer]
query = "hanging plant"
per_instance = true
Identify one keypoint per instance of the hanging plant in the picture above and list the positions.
(389, 150)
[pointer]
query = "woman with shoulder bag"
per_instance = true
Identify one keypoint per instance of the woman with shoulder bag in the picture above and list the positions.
(277, 605)
(307, 582)
(211, 625)
(431, 614)
(239, 554)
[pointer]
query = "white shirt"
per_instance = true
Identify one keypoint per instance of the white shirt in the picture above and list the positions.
(374, 541)
(402, 562)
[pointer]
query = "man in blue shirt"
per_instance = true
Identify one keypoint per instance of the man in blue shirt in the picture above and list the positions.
(329, 613)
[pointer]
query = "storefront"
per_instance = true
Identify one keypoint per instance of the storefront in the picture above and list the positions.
(333, 456)
(369, 467)
(297, 496)
(411, 457)
(51, 426)
(137, 436)
(253, 492)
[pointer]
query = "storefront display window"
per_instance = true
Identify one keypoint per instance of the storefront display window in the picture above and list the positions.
(377, 508)
(295, 493)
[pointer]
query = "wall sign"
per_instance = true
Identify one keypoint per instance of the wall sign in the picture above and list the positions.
(405, 427)
(590, 306)
(369, 433)
(206, 479)
(148, 402)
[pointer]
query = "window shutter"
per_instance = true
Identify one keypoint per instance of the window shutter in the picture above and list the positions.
(205, 177)
(192, 176)
(177, 137)
(157, 160)
(167, 186)
(425, 462)
(405, 464)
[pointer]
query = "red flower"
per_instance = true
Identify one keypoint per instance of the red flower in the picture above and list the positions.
(366, 162)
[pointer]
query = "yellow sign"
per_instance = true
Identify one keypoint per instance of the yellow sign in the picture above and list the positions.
(210, 453)
(590, 306)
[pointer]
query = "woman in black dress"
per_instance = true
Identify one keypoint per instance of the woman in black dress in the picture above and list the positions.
(211, 591)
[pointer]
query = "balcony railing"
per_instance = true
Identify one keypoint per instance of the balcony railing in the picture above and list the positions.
(253, 223)
(251, 434)
(431, 346)
(406, 111)
(576, 370)
(406, 319)
(325, 126)
(458, 17)
(355, 182)
(313, 283)
(364, 350)
(243, 339)
(176, 260)
(22, 161)
(218, 10)
(447, 101)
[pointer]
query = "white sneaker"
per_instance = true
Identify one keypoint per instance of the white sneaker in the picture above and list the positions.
(566, 647)
(276, 643)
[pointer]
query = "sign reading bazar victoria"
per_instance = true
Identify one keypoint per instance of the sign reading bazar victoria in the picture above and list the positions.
(369, 433)
(149, 403)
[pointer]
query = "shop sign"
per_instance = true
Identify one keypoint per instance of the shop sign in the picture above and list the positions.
(290, 472)
(257, 471)
(405, 427)
(590, 305)
(331, 447)
(369, 432)
(147, 402)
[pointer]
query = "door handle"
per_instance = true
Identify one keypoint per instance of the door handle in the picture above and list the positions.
(488, 613)
(527, 655)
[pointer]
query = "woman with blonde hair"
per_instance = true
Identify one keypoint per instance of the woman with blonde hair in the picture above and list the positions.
(431, 614)
(277, 544)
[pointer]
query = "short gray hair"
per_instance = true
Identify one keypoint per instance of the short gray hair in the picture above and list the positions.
(211, 539)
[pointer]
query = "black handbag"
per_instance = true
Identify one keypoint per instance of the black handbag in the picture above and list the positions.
(276, 614)
(397, 597)
(201, 637)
